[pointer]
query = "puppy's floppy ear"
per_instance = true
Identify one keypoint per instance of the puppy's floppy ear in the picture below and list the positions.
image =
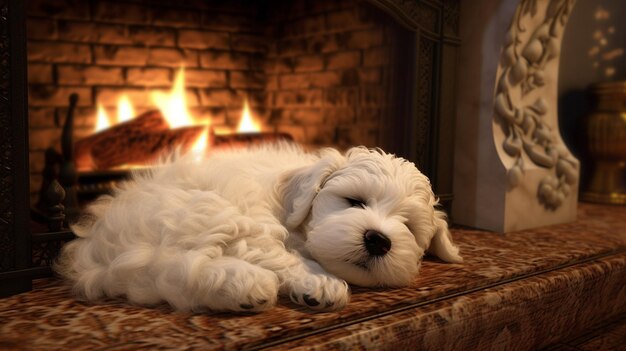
(298, 188)
(441, 244)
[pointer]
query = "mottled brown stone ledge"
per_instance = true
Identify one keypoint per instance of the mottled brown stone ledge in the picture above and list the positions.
(606, 336)
(522, 290)
(526, 314)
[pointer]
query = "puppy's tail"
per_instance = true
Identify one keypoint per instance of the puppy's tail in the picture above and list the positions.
(79, 271)
(76, 262)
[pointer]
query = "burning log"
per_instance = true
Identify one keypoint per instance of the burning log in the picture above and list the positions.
(142, 147)
(143, 139)
(147, 122)
(246, 139)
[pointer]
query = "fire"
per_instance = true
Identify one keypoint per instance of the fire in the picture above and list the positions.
(174, 109)
(125, 110)
(247, 124)
(102, 119)
(173, 106)
(201, 144)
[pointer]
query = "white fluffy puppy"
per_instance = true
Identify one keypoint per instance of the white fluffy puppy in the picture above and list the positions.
(238, 228)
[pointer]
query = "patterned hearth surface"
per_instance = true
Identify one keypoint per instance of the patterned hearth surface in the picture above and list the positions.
(523, 290)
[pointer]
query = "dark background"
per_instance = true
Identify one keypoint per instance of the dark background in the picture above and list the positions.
(580, 66)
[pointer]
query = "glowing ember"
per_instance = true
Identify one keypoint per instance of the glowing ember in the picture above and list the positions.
(247, 124)
(102, 120)
(125, 110)
(173, 106)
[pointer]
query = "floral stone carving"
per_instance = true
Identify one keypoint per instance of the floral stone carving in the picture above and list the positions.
(512, 170)
(528, 132)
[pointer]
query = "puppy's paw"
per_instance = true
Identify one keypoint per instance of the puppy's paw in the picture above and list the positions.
(321, 292)
(262, 295)
(253, 289)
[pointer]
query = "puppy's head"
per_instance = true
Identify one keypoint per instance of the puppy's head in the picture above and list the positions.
(368, 216)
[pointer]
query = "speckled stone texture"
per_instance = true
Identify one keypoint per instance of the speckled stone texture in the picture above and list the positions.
(610, 336)
(519, 291)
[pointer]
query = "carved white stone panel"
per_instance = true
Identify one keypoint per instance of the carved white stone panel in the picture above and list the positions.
(512, 169)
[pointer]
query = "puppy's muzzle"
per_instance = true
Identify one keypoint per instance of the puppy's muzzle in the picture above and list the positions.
(376, 243)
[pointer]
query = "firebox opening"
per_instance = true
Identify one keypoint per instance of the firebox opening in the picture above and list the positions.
(323, 72)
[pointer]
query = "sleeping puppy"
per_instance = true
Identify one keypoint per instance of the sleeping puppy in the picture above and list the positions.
(232, 231)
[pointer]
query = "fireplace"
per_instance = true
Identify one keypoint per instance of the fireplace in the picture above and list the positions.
(379, 73)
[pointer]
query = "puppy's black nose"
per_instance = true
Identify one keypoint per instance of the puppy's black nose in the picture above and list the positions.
(377, 244)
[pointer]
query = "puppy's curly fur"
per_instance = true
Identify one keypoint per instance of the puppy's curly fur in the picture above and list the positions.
(236, 229)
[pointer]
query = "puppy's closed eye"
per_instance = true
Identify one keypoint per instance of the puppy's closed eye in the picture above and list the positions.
(355, 202)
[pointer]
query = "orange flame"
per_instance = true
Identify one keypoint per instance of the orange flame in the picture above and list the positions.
(173, 106)
(199, 147)
(247, 124)
(102, 119)
(125, 110)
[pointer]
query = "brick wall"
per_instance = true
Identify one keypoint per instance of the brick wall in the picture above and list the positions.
(315, 69)
(328, 72)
